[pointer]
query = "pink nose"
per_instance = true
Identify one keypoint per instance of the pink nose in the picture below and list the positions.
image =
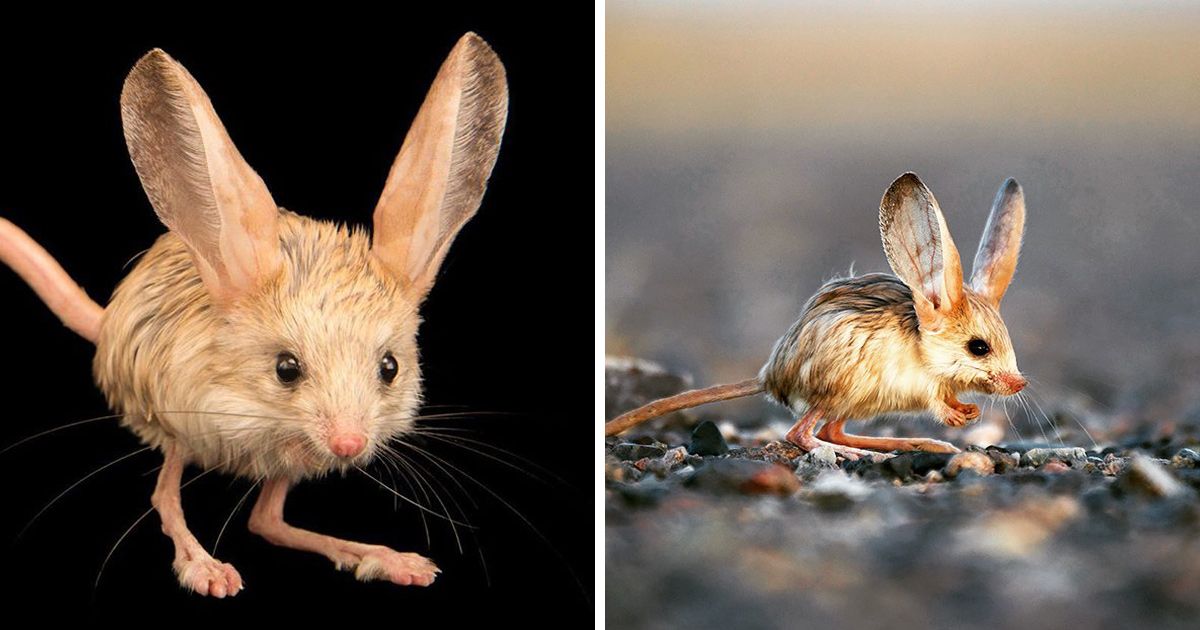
(347, 445)
(1014, 382)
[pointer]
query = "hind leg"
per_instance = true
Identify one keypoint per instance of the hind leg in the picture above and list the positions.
(832, 432)
(369, 562)
(801, 435)
(196, 569)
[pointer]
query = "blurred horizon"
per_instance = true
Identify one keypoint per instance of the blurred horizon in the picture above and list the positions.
(776, 67)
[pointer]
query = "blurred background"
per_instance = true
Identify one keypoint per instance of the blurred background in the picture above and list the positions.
(748, 144)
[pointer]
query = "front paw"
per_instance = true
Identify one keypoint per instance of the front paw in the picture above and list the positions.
(960, 416)
(382, 563)
(208, 576)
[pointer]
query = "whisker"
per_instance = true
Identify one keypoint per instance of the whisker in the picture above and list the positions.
(1008, 416)
(406, 499)
(235, 511)
(531, 527)
(141, 518)
(1079, 422)
(57, 429)
(435, 460)
(393, 465)
(416, 470)
(1049, 420)
(74, 485)
(454, 440)
(449, 492)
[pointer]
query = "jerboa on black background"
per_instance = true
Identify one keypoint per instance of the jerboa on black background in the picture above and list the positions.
(319, 109)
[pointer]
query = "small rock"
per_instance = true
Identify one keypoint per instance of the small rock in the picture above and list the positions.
(1055, 466)
(1003, 459)
(657, 467)
(743, 476)
(1186, 458)
(823, 456)
(676, 456)
(906, 466)
(775, 452)
(969, 460)
(618, 471)
(707, 440)
(1113, 465)
(1072, 455)
(1146, 477)
(629, 451)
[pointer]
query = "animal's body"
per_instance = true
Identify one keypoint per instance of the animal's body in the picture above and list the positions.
(878, 343)
(254, 341)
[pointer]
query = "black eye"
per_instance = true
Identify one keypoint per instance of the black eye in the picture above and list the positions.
(978, 347)
(388, 368)
(287, 368)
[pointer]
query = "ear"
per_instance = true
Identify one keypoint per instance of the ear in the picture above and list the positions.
(919, 249)
(195, 178)
(438, 178)
(996, 260)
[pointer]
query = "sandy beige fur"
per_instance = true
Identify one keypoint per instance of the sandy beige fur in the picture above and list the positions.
(175, 351)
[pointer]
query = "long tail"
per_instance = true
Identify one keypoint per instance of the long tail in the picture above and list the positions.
(38, 268)
(685, 400)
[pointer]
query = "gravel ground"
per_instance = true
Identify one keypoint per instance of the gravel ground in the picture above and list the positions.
(712, 524)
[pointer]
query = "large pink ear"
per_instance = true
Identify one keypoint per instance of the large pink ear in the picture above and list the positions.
(920, 250)
(438, 178)
(996, 260)
(198, 183)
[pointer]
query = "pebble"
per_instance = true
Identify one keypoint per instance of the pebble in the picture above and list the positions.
(1073, 456)
(1186, 458)
(1003, 459)
(969, 460)
(707, 440)
(1146, 477)
(914, 464)
(676, 456)
(743, 476)
(1055, 466)
(618, 471)
(822, 456)
(629, 451)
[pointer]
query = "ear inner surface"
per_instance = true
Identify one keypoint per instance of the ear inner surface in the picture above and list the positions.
(437, 181)
(197, 181)
(996, 260)
(919, 248)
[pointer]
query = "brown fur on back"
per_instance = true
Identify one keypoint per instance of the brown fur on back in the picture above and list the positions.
(853, 351)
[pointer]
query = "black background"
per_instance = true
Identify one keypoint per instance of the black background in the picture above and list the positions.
(319, 110)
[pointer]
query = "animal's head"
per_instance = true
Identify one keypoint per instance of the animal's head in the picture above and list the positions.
(316, 323)
(963, 340)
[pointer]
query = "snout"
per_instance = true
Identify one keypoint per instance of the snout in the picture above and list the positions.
(1008, 383)
(347, 445)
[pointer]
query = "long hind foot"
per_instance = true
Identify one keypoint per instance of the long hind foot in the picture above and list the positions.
(801, 435)
(832, 432)
(369, 562)
(197, 571)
